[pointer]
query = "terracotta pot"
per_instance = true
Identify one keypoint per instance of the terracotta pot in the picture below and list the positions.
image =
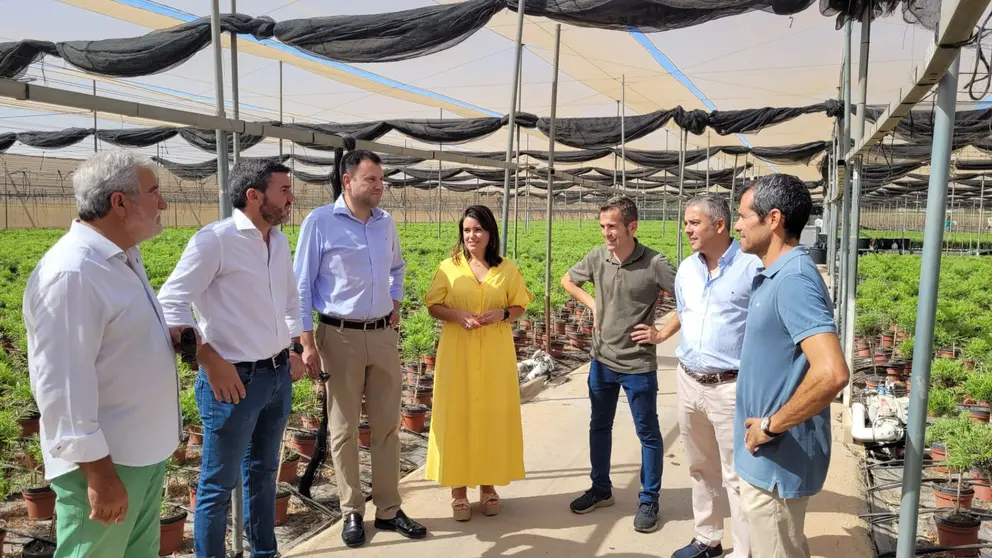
(303, 443)
(980, 484)
(888, 340)
(180, 454)
(978, 414)
(364, 435)
(871, 382)
(557, 350)
(195, 435)
(289, 469)
(413, 418)
(908, 367)
(428, 361)
(969, 364)
(947, 495)
(945, 353)
(40, 501)
(425, 397)
(310, 423)
(30, 425)
(192, 495)
(171, 533)
(938, 453)
(282, 507)
(958, 530)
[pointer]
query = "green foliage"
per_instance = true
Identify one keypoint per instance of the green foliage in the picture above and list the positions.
(970, 447)
(941, 402)
(306, 401)
(907, 347)
(188, 407)
(978, 386)
(947, 373)
(945, 428)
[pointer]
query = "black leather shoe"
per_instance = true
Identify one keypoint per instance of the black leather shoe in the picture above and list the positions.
(353, 533)
(402, 525)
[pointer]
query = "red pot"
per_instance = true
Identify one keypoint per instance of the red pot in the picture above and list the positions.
(364, 435)
(980, 484)
(958, 530)
(40, 502)
(413, 419)
(289, 470)
(195, 435)
(180, 454)
(938, 454)
(310, 423)
(171, 534)
(282, 507)
(303, 443)
(947, 495)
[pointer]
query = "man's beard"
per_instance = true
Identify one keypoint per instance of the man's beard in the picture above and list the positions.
(141, 227)
(274, 215)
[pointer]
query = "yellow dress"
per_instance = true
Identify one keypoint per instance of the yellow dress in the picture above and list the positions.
(476, 437)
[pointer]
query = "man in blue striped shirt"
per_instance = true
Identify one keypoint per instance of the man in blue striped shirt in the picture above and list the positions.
(712, 290)
(349, 269)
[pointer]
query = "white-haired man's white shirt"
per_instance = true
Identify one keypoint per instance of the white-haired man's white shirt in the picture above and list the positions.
(101, 362)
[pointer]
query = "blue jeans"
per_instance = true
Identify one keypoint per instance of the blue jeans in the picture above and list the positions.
(642, 394)
(247, 433)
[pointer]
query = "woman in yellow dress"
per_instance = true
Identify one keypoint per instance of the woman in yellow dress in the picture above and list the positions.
(476, 438)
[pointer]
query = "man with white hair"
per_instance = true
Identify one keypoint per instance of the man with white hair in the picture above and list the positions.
(102, 365)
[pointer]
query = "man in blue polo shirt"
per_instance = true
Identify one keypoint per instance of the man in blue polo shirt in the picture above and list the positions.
(791, 368)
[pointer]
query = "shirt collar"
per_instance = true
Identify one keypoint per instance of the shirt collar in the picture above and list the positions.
(95, 240)
(728, 256)
(341, 208)
(633, 257)
(244, 223)
(785, 258)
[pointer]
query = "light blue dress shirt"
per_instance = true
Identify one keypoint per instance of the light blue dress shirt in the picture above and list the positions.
(345, 268)
(713, 310)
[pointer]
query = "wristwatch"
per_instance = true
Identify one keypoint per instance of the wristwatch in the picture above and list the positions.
(506, 314)
(765, 423)
(298, 348)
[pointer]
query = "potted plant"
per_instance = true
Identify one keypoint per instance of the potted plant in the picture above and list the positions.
(869, 326)
(978, 386)
(969, 446)
(941, 403)
(282, 505)
(39, 497)
(906, 348)
(191, 416)
(364, 435)
(289, 468)
(414, 417)
(172, 518)
(977, 350)
(304, 442)
(947, 373)
(306, 404)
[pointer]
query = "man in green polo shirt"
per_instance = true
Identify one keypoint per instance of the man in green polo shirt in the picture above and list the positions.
(627, 277)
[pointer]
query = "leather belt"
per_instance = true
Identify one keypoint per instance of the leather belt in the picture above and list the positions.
(381, 323)
(710, 378)
(275, 361)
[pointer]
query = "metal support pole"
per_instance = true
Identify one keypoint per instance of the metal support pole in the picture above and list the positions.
(840, 296)
(683, 139)
(733, 189)
(981, 214)
(707, 161)
(516, 175)
(551, 182)
(222, 162)
(512, 127)
(926, 309)
(852, 254)
(95, 140)
(234, 86)
(832, 220)
(616, 158)
(280, 106)
(440, 164)
(623, 130)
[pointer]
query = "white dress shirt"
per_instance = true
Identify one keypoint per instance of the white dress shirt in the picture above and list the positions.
(242, 290)
(713, 309)
(103, 370)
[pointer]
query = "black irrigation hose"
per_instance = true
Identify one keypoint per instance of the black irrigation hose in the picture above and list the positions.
(937, 549)
(980, 58)
(28, 535)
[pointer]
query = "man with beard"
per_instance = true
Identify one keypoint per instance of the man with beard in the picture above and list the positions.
(102, 366)
(349, 269)
(237, 275)
(627, 277)
(792, 367)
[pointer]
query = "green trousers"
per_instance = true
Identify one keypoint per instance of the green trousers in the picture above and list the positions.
(136, 537)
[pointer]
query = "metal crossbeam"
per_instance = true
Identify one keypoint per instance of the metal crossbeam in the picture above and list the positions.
(20, 91)
(957, 23)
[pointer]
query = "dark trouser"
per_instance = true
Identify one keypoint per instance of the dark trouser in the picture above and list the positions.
(241, 437)
(642, 394)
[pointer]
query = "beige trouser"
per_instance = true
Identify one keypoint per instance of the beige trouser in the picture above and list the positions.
(777, 525)
(363, 362)
(706, 423)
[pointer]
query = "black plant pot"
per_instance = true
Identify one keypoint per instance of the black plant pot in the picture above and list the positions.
(38, 549)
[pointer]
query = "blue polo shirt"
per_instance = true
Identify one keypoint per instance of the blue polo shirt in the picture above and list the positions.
(789, 302)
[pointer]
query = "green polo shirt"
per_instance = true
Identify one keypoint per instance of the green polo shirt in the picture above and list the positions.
(626, 294)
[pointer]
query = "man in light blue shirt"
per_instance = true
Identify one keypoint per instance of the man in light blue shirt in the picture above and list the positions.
(349, 269)
(792, 367)
(712, 289)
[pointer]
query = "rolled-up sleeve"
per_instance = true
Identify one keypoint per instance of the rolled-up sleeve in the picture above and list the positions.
(397, 268)
(65, 322)
(306, 266)
(196, 269)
